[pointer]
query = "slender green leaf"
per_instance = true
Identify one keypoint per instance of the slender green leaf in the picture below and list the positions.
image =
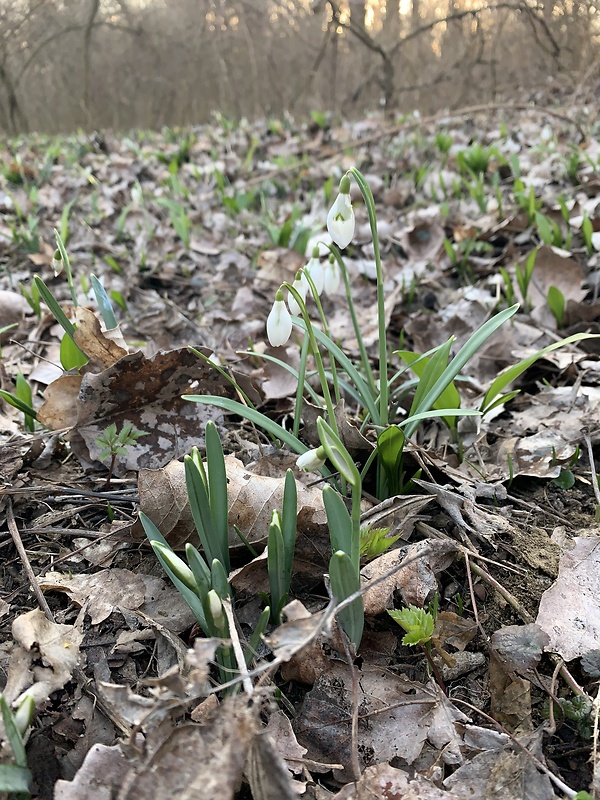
(235, 407)
(449, 398)
(338, 520)
(337, 453)
(71, 356)
(14, 401)
(13, 734)
(193, 601)
(200, 508)
(345, 581)
(460, 359)
(217, 489)
(289, 521)
(200, 570)
(220, 579)
(276, 566)
(104, 304)
(14, 779)
(54, 307)
(513, 372)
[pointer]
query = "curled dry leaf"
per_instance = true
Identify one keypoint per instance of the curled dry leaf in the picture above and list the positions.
(252, 499)
(570, 610)
(43, 657)
(147, 392)
(99, 777)
(401, 714)
(520, 647)
(197, 760)
(385, 782)
(415, 580)
(101, 592)
(103, 348)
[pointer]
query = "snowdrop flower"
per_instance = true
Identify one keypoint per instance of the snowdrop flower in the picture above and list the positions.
(301, 286)
(332, 277)
(279, 322)
(311, 460)
(315, 270)
(340, 220)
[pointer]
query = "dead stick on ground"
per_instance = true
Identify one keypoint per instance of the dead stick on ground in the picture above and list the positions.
(16, 537)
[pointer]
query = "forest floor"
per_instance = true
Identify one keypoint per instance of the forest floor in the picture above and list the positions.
(492, 520)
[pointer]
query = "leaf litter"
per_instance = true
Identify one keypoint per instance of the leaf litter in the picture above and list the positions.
(481, 535)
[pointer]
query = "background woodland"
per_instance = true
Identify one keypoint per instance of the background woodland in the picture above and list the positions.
(68, 64)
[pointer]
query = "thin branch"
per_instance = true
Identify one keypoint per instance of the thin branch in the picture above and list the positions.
(16, 537)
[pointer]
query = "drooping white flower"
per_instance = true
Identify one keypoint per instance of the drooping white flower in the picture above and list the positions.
(315, 270)
(340, 220)
(300, 284)
(311, 460)
(279, 322)
(332, 276)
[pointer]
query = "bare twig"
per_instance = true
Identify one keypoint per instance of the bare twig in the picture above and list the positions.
(16, 537)
(237, 648)
(588, 443)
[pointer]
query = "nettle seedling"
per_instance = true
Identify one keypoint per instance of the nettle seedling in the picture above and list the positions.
(115, 444)
(419, 625)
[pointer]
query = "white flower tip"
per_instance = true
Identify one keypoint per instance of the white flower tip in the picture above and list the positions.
(340, 221)
(279, 324)
(311, 460)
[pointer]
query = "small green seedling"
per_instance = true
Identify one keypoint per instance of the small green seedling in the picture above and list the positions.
(587, 229)
(22, 399)
(16, 777)
(115, 444)
(419, 626)
(375, 541)
(556, 304)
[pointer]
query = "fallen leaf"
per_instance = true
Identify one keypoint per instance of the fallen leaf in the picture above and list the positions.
(569, 611)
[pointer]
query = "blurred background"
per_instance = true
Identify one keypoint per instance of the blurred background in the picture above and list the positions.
(68, 64)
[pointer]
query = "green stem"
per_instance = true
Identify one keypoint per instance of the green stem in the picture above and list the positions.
(317, 299)
(357, 332)
(383, 376)
(67, 265)
(316, 353)
(355, 554)
(300, 387)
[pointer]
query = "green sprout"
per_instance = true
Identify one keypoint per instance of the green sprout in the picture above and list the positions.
(115, 444)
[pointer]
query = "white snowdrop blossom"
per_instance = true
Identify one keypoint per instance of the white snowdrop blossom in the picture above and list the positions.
(332, 277)
(311, 460)
(315, 270)
(279, 322)
(300, 284)
(340, 220)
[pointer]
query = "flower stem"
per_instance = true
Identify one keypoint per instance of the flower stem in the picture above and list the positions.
(383, 377)
(316, 353)
(361, 345)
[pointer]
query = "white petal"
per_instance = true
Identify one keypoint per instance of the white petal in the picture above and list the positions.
(301, 286)
(340, 221)
(315, 270)
(310, 460)
(279, 324)
(332, 278)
